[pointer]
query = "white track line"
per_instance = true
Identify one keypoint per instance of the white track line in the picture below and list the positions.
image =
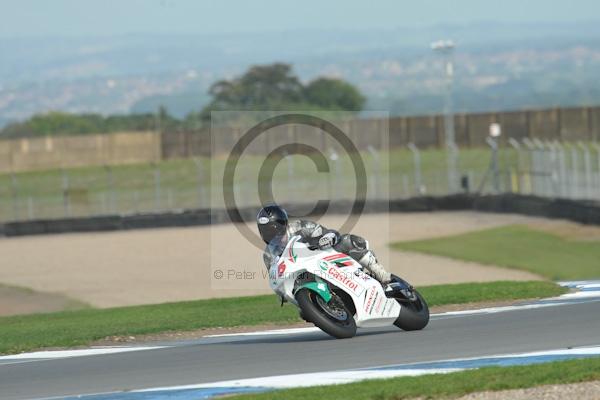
(290, 331)
(55, 354)
(347, 376)
(489, 310)
(593, 288)
(309, 379)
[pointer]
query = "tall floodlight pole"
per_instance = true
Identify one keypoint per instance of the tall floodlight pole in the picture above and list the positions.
(446, 49)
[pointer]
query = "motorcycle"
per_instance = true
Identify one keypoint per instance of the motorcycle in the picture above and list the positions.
(334, 293)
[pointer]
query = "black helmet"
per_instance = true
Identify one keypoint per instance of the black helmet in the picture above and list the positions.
(272, 221)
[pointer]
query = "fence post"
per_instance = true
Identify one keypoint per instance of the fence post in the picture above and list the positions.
(544, 167)
(30, 208)
(574, 193)
(290, 172)
(452, 167)
(157, 190)
(496, 172)
(170, 198)
(110, 183)
(136, 201)
(470, 180)
(66, 183)
(534, 185)
(562, 169)
(200, 177)
(377, 169)
(553, 168)
(587, 164)
(597, 147)
(15, 195)
(104, 204)
(334, 157)
(417, 165)
(515, 144)
(405, 188)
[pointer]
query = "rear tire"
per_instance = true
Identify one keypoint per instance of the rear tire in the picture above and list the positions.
(310, 308)
(413, 316)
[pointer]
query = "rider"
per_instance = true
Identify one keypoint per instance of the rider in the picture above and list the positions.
(275, 230)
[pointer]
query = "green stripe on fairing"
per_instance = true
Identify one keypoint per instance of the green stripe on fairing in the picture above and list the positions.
(319, 288)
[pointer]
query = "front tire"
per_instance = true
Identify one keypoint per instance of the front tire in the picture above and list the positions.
(414, 315)
(314, 308)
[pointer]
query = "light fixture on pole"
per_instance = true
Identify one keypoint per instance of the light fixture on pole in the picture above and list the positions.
(446, 49)
(495, 132)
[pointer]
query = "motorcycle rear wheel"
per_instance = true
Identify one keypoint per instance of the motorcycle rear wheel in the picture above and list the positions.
(341, 327)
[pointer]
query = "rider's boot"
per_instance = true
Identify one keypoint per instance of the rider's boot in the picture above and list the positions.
(394, 289)
(377, 271)
(400, 289)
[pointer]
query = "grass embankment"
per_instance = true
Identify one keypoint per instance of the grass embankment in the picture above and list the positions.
(518, 247)
(74, 328)
(448, 385)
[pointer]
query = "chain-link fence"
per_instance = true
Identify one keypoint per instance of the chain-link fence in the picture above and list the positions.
(555, 169)
(542, 168)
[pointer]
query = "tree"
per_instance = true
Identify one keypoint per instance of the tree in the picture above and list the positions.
(275, 87)
(260, 87)
(334, 94)
(60, 123)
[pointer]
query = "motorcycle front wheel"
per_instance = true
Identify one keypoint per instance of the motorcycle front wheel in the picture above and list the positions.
(414, 315)
(333, 317)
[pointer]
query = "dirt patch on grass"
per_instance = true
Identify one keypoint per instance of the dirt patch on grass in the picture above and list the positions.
(16, 301)
(110, 269)
(568, 230)
(581, 391)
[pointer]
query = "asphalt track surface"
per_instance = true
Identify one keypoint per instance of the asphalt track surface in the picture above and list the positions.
(227, 358)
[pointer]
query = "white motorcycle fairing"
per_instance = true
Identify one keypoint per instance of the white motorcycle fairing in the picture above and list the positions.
(373, 307)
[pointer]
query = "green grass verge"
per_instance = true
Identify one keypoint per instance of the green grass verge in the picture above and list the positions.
(74, 328)
(518, 247)
(462, 293)
(448, 385)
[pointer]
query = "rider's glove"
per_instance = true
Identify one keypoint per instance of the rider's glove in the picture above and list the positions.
(327, 240)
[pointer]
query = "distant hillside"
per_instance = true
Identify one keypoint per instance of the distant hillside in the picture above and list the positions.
(498, 66)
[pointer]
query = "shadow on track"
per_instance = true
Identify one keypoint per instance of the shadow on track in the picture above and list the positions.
(318, 337)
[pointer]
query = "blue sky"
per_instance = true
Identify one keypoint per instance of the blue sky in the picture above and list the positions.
(109, 17)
